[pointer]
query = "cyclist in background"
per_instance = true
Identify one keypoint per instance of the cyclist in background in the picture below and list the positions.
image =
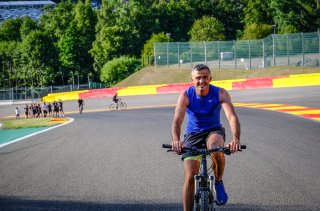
(116, 98)
(202, 102)
(80, 105)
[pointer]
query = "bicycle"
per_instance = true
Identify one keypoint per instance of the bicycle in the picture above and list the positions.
(204, 196)
(119, 104)
(80, 109)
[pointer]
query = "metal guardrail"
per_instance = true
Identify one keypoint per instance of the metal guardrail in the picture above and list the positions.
(28, 93)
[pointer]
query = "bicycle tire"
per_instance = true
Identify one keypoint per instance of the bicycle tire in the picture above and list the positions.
(81, 109)
(112, 107)
(204, 201)
(123, 106)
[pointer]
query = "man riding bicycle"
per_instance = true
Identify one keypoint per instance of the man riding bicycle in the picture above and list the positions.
(202, 102)
(80, 105)
(115, 98)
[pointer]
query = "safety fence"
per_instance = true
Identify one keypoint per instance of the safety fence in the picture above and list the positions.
(296, 49)
(29, 93)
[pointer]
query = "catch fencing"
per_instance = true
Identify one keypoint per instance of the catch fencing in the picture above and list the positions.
(297, 49)
(29, 93)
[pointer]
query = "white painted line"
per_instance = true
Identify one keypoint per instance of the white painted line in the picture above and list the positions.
(33, 134)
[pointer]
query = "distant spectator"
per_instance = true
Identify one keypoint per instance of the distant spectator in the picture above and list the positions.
(26, 111)
(61, 113)
(39, 111)
(55, 109)
(34, 110)
(50, 110)
(17, 113)
(44, 109)
(30, 111)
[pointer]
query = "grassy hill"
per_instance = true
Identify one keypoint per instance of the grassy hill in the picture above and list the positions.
(154, 76)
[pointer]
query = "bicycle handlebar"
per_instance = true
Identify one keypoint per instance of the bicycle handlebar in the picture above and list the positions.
(204, 151)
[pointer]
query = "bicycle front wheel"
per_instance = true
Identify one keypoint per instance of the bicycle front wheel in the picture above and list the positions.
(204, 201)
(123, 106)
(112, 107)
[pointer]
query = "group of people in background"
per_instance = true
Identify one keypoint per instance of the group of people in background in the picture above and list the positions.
(54, 109)
(37, 110)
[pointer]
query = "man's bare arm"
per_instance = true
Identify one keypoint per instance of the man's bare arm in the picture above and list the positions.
(232, 118)
(177, 122)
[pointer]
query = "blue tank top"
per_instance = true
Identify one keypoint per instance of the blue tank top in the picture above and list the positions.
(203, 112)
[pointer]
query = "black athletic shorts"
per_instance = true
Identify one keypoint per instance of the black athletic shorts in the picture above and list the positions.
(199, 139)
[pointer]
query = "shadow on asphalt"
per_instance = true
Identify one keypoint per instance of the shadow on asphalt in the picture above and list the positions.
(13, 203)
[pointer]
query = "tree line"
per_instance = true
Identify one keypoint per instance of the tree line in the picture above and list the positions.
(72, 40)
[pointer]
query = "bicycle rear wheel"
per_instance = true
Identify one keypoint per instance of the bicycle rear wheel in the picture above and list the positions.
(123, 106)
(112, 107)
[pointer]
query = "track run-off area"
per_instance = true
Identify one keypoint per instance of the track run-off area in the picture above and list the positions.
(107, 160)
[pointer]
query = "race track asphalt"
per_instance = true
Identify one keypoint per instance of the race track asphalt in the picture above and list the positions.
(114, 160)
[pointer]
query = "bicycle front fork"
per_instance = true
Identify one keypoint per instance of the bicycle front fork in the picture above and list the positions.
(213, 190)
(197, 190)
(197, 182)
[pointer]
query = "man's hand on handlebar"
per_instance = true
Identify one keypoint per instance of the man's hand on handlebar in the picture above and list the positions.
(234, 145)
(177, 146)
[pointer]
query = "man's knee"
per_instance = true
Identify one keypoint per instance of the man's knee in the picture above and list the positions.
(215, 140)
(190, 176)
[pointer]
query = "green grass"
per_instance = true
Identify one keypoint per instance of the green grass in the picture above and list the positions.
(27, 123)
(155, 76)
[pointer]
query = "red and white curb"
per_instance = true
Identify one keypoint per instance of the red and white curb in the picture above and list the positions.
(304, 112)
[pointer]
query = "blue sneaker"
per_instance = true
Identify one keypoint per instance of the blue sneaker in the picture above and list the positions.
(222, 196)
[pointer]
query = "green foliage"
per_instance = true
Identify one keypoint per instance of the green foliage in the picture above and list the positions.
(85, 19)
(76, 41)
(207, 29)
(148, 49)
(256, 31)
(28, 25)
(81, 40)
(9, 30)
(257, 11)
(118, 69)
(68, 48)
(295, 15)
(9, 62)
(309, 19)
(55, 21)
(228, 12)
(175, 17)
(288, 29)
(284, 13)
(39, 55)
